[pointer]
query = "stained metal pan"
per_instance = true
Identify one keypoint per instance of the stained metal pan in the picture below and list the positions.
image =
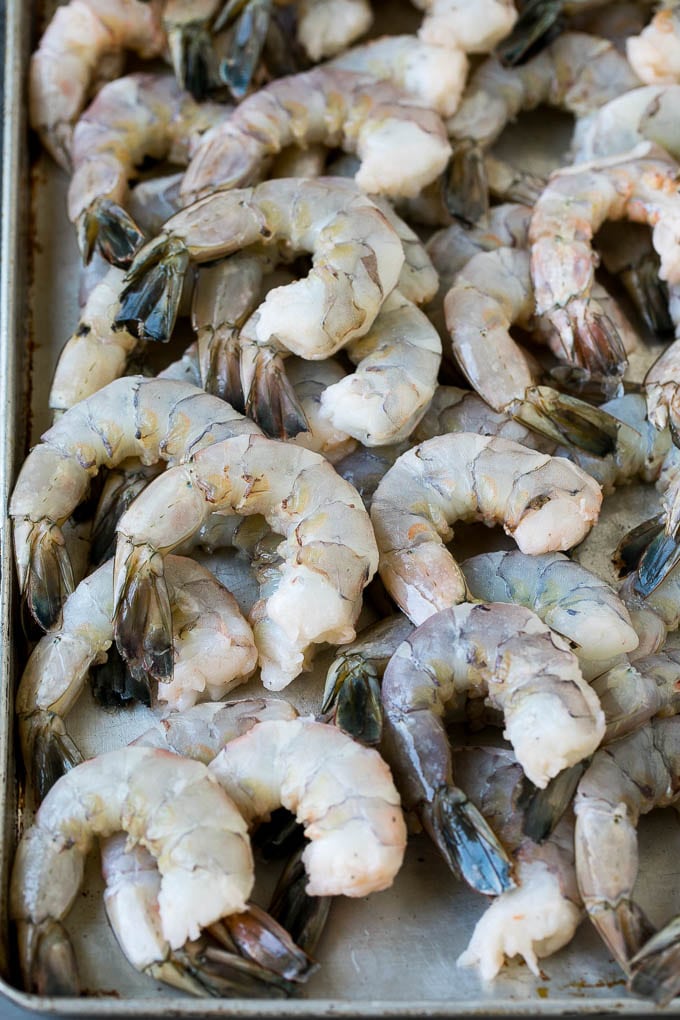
(390, 955)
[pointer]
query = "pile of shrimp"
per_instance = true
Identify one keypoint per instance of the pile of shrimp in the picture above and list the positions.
(396, 335)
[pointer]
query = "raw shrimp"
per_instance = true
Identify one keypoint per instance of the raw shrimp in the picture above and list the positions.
(626, 779)
(328, 552)
(545, 503)
(151, 202)
(341, 792)
(341, 109)
(457, 24)
(542, 913)
(577, 72)
(431, 75)
(173, 807)
(621, 124)
(152, 419)
(132, 118)
(640, 185)
(356, 256)
(81, 47)
(654, 55)
(327, 27)
(310, 381)
(212, 650)
(568, 598)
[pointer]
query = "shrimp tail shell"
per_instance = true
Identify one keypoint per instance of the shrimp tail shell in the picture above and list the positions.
(260, 938)
(107, 226)
(220, 367)
(466, 189)
(112, 505)
(628, 553)
(142, 618)
(271, 400)
(304, 917)
(191, 56)
(150, 300)
(51, 752)
(51, 967)
(649, 294)
(352, 691)
(533, 30)
(595, 344)
(542, 809)
(656, 968)
(224, 974)
(568, 420)
(657, 561)
(49, 580)
(624, 928)
(112, 684)
(467, 842)
(236, 70)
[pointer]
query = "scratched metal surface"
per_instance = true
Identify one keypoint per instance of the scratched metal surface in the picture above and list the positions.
(390, 954)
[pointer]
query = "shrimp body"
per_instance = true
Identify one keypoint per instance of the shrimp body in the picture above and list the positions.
(151, 419)
(545, 503)
(82, 45)
(327, 555)
(357, 258)
(341, 792)
(338, 108)
(138, 116)
(171, 806)
(626, 779)
(654, 55)
(568, 598)
(621, 124)
(327, 27)
(456, 24)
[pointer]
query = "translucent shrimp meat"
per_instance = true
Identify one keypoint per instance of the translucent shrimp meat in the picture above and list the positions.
(654, 55)
(456, 24)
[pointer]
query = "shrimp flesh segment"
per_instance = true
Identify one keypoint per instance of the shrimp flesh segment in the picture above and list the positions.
(341, 792)
(626, 779)
(577, 73)
(171, 806)
(81, 47)
(340, 109)
(132, 118)
(431, 75)
(545, 503)
(654, 55)
(644, 114)
(456, 24)
(327, 27)
(541, 915)
(640, 185)
(213, 652)
(327, 556)
(356, 256)
(310, 381)
(568, 598)
(151, 419)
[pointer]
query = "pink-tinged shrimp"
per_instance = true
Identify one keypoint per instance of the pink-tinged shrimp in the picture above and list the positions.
(654, 55)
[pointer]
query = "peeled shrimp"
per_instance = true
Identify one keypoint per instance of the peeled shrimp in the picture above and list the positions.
(328, 553)
(626, 779)
(357, 258)
(132, 118)
(545, 503)
(541, 915)
(311, 380)
(327, 27)
(654, 55)
(173, 807)
(153, 419)
(475, 28)
(341, 792)
(341, 109)
(82, 46)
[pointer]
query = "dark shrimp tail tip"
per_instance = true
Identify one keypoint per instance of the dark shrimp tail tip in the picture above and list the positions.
(649, 294)
(655, 969)
(353, 691)
(150, 299)
(52, 969)
(108, 227)
(260, 938)
(53, 753)
(630, 550)
(142, 619)
(465, 185)
(541, 810)
(49, 580)
(272, 401)
(304, 917)
(660, 557)
(536, 26)
(252, 21)
(219, 357)
(570, 421)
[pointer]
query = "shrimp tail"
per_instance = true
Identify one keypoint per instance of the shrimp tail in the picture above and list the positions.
(466, 189)
(657, 561)
(271, 400)
(107, 226)
(467, 842)
(630, 550)
(222, 973)
(573, 422)
(115, 500)
(624, 928)
(191, 56)
(51, 967)
(353, 692)
(49, 580)
(649, 294)
(304, 917)
(655, 969)
(113, 685)
(151, 296)
(593, 344)
(142, 619)
(534, 29)
(219, 359)
(53, 752)
(542, 809)
(250, 32)
(258, 937)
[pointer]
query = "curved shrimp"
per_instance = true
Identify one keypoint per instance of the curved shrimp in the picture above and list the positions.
(132, 118)
(173, 807)
(340, 109)
(81, 46)
(577, 72)
(213, 652)
(328, 553)
(654, 55)
(640, 185)
(151, 419)
(356, 255)
(340, 791)
(507, 655)
(626, 779)
(545, 503)
(541, 915)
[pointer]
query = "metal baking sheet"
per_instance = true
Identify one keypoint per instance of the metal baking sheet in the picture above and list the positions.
(392, 954)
